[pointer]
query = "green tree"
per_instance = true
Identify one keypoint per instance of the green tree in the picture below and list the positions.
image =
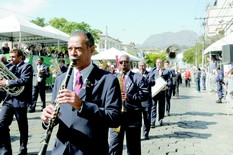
(152, 57)
(193, 55)
(39, 21)
(69, 27)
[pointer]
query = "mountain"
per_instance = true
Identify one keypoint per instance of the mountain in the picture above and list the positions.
(184, 39)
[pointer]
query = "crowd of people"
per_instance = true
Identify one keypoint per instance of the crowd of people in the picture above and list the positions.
(98, 108)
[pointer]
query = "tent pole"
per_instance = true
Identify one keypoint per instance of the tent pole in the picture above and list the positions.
(19, 40)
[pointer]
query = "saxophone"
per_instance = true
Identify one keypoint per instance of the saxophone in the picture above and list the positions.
(52, 122)
(8, 75)
(121, 82)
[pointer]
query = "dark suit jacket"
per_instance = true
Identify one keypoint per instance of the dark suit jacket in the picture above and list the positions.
(177, 78)
(148, 102)
(87, 129)
(138, 91)
(24, 73)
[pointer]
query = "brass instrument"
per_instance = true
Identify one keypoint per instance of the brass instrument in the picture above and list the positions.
(121, 82)
(52, 122)
(54, 68)
(8, 75)
(172, 53)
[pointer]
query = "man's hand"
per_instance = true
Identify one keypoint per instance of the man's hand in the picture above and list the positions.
(70, 97)
(124, 96)
(48, 113)
(2, 83)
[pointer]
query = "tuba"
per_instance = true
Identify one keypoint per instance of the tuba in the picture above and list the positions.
(172, 53)
(55, 68)
(6, 74)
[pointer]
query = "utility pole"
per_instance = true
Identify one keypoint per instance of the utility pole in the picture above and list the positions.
(203, 46)
(106, 39)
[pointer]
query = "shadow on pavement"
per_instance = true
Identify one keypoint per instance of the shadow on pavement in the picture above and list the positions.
(14, 138)
(182, 135)
(185, 97)
(195, 124)
(35, 153)
(198, 114)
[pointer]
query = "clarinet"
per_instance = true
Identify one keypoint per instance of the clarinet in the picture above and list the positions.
(52, 122)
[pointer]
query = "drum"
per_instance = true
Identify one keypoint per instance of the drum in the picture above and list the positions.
(160, 83)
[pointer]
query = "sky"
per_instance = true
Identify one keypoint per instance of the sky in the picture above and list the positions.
(126, 20)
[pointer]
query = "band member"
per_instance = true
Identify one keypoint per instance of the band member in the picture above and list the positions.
(39, 87)
(177, 79)
(89, 107)
(146, 105)
(16, 105)
(160, 97)
(134, 91)
(168, 92)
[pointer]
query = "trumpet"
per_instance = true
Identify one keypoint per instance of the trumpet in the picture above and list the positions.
(52, 122)
(7, 74)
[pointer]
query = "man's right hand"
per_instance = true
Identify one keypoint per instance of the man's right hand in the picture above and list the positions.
(48, 113)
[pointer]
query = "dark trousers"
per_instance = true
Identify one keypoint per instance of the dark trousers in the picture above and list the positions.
(168, 100)
(133, 141)
(131, 127)
(175, 90)
(219, 89)
(146, 112)
(204, 83)
(160, 99)
(39, 89)
(6, 118)
(187, 82)
(197, 82)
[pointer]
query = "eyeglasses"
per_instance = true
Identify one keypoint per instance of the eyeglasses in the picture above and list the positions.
(121, 62)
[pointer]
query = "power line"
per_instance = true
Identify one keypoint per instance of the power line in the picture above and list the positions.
(17, 12)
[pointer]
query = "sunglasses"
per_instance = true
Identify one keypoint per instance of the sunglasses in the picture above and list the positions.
(121, 62)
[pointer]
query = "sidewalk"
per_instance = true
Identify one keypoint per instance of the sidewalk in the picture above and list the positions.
(197, 126)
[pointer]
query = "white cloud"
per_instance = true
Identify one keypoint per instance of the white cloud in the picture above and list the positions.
(22, 7)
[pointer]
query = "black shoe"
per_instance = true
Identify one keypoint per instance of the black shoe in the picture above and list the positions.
(161, 122)
(146, 138)
(152, 126)
(23, 152)
(218, 101)
(31, 110)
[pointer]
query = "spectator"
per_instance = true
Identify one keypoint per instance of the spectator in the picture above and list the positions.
(197, 77)
(203, 78)
(5, 49)
(187, 76)
(219, 82)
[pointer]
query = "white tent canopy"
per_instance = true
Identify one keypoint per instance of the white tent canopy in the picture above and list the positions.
(18, 29)
(59, 34)
(217, 46)
(111, 54)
